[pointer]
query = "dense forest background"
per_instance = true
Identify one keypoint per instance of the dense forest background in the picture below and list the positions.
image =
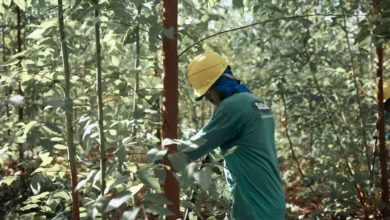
(83, 103)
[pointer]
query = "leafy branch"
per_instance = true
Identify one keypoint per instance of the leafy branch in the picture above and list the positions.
(351, 172)
(291, 146)
(362, 125)
(259, 23)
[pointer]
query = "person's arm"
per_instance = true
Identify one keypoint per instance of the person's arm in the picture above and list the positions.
(217, 131)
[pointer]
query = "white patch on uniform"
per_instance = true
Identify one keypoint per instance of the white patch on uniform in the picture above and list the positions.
(261, 106)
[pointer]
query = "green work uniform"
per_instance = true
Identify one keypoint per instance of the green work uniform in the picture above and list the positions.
(243, 127)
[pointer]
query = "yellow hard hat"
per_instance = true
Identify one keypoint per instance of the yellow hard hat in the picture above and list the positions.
(204, 70)
(386, 90)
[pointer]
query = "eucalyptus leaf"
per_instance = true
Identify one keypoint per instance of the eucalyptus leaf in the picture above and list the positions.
(160, 173)
(131, 214)
(21, 4)
(178, 161)
(203, 177)
(121, 155)
(154, 198)
(29, 126)
(155, 154)
(116, 202)
(9, 180)
(29, 206)
(238, 3)
(149, 180)
(46, 158)
(52, 128)
(158, 210)
(48, 145)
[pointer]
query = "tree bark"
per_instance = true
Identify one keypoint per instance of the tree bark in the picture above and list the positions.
(20, 92)
(6, 89)
(137, 50)
(170, 102)
(381, 127)
(100, 104)
(69, 116)
(383, 154)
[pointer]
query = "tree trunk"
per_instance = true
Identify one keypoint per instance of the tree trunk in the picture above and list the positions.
(202, 116)
(20, 92)
(137, 50)
(69, 116)
(170, 102)
(100, 104)
(381, 128)
(7, 88)
(381, 124)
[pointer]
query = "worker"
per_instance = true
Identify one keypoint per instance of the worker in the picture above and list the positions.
(242, 126)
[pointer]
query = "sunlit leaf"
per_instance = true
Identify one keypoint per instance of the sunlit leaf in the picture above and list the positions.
(37, 33)
(131, 214)
(3, 150)
(8, 180)
(37, 198)
(118, 200)
(52, 128)
(119, 180)
(115, 61)
(7, 2)
(29, 206)
(60, 147)
(63, 194)
(155, 154)
(135, 189)
(46, 158)
(21, 4)
(29, 126)
(84, 181)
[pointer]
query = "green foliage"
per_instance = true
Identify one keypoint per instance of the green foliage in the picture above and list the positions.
(305, 59)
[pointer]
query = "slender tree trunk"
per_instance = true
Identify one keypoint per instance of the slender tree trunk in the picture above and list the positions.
(170, 102)
(381, 127)
(383, 154)
(7, 88)
(137, 50)
(20, 92)
(100, 104)
(202, 112)
(69, 116)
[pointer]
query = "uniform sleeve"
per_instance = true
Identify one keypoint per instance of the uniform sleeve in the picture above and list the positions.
(220, 129)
